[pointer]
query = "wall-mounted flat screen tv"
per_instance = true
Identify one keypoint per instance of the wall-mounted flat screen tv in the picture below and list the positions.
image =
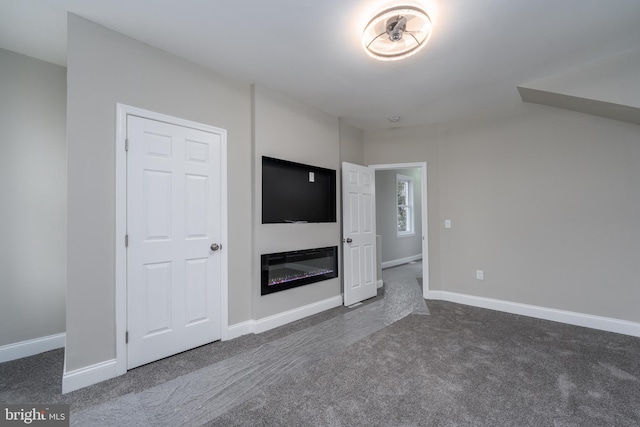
(294, 192)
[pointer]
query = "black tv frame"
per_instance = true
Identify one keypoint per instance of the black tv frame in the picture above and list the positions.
(288, 196)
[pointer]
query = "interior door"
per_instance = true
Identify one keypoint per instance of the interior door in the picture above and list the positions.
(359, 233)
(173, 228)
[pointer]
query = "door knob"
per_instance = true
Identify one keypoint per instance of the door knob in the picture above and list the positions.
(349, 240)
(215, 247)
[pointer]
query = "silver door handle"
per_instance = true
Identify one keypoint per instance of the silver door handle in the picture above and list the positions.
(215, 247)
(348, 240)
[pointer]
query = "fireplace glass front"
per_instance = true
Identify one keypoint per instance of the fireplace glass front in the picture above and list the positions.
(286, 270)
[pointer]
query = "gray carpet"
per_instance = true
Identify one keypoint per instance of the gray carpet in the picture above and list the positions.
(223, 374)
(461, 366)
(38, 379)
(383, 363)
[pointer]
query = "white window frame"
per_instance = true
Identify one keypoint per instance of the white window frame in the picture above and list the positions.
(411, 230)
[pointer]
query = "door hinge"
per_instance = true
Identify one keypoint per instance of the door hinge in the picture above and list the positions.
(126, 144)
(126, 240)
(126, 337)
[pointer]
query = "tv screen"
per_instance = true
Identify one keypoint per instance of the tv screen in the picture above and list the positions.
(294, 192)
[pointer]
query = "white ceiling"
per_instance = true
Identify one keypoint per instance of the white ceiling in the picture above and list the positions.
(310, 50)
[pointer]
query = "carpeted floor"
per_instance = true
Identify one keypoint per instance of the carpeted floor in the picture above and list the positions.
(384, 363)
(461, 366)
(38, 379)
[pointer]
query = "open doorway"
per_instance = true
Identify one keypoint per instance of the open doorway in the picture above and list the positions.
(401, 216)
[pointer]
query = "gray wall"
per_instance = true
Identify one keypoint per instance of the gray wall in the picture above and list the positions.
(289, 130)
(105, 68)
(544, 200)
(396, 247)
(33, 192)
(351, 144)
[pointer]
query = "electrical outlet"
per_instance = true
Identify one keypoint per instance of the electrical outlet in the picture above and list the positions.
(447, 223)
(479, 274)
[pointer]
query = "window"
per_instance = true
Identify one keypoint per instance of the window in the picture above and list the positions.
(404, 195)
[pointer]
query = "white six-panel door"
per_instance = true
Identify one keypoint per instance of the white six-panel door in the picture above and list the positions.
(173, 225)
(359, 233)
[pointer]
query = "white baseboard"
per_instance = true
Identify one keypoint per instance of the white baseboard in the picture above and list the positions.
(400, 261)
(280, 319)
(83, 377)
(380, 283)
(240, 329)
(31, 347)
(572, 318)
(267, 323)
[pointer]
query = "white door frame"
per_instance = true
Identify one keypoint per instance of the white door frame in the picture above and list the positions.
(121, 223)
(425, 216)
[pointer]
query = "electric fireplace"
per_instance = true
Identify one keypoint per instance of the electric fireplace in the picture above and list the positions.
(286, 270)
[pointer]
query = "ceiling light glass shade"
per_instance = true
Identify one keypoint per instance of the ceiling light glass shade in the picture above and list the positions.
(396, 33)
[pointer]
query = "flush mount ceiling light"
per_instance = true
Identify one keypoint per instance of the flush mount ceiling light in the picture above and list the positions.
(396, 33)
